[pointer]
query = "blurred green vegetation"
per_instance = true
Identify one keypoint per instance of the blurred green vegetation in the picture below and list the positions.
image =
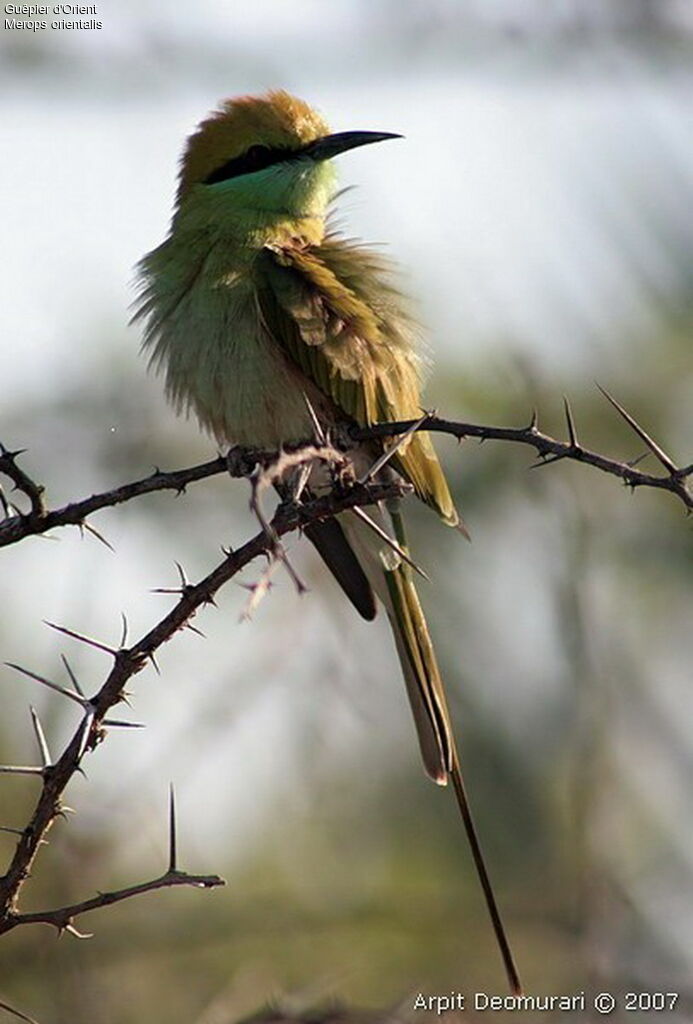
(361, 888)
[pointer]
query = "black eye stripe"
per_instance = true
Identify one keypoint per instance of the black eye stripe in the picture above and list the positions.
(254, 159)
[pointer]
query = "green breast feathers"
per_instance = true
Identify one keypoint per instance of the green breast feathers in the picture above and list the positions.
(242, 346)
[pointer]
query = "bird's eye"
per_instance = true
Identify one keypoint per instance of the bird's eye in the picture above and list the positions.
(256, 155)
(255, 158)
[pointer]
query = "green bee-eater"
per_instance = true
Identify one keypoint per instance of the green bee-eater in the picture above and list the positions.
(262, 318)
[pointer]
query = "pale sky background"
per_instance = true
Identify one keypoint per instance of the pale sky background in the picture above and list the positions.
(523, 189)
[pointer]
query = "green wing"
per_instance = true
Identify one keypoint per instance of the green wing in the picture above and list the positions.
(338, 316)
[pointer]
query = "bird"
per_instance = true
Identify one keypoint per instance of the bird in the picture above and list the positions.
(265, 322)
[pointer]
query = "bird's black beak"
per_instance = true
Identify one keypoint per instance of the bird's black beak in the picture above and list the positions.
(332, 145)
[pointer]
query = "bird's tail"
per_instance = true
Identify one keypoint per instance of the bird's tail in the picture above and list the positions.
(397, 591)
(419, 667)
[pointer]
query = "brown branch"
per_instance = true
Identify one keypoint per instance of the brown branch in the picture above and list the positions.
(264, 477)
(549, 449)
(17, 1013)
(127, 662)
(267, 468)
(40, 520)
(240, 462)
(22, 481)
(63, 918)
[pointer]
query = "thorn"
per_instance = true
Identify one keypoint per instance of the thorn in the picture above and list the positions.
(95, 533)
(181, 573)
(546, 460)
(572, 433)
(172, 841)
(15, 769)
(461, 527)
(300, 483)
(63, 810)
(152, 658)
(77, 934)
(77, 698)
(17, 1013)
(534, 422)
(73, 677)
(20, 832)
(124, 633)
(194, 629)
(81, 638)
(14, 832)
(278, 550)
(12, 455)
(301, 587)
(389, 540)
(116, 723)
(40, 738)
(636, 461)
(258, 590)
(658, 452)
(86, 733)
(317, 425)
(387, 455)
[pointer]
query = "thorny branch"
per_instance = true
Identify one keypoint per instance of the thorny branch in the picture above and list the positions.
(676, 480)
(22, 482)
(262, 468)
(127, 662)
(17, 525)
(40, 520)
(63, 918)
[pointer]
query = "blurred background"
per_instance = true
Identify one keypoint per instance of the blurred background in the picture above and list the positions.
(540, 209)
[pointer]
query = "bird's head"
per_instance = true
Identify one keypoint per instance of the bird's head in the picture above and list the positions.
(263, 160)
